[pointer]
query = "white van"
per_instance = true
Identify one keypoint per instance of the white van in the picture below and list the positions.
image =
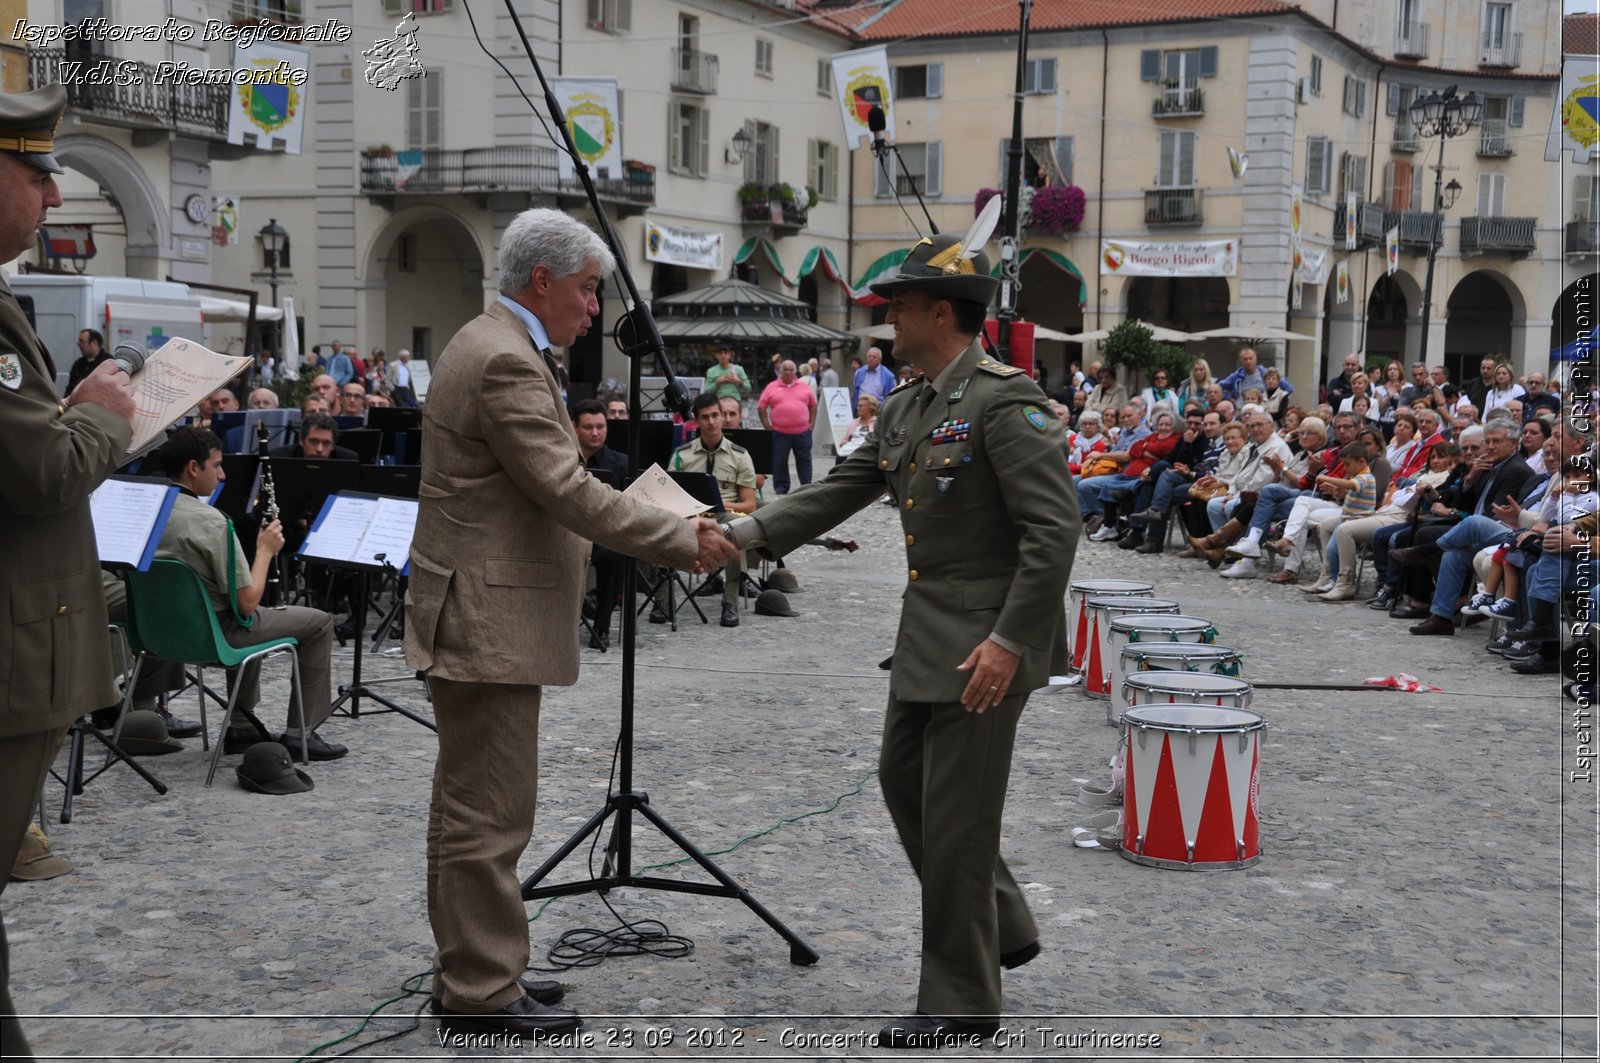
(122, 309)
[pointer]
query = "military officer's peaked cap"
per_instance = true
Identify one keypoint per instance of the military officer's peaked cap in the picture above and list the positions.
(28, 123)
(941, 266)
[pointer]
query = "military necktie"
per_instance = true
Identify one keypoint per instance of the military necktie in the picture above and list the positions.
(925, 396)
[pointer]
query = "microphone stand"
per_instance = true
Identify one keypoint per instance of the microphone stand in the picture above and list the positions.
(637, 336)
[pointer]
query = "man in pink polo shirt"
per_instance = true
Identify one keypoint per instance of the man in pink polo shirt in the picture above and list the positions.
(788, 407)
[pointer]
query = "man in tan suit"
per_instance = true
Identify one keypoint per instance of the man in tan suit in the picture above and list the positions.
(497, 573)
(55, 664)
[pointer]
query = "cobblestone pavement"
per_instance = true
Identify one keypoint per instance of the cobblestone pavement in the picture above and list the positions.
(1426, 889)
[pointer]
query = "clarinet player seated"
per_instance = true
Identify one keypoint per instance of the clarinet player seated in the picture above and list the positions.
(203, 538)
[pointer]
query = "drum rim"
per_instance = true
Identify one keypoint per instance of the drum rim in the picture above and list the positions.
(1079, 585)
(1152, 680)
(1257, 724)
(1160, 619)
(1112, 601)
(1181, 649)
(1182, 865)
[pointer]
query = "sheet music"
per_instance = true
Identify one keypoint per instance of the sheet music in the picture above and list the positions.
(656, 488)
(356, 529)
(126, 517)
(175, 377)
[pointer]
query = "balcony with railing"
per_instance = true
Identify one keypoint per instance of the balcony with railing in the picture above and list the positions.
(1417, 227)
(1405, 135)
(1491, 235)
(1494, 141)
(1173, 206)
(1411, 40)
(1583, 237)
(1505, 50)
(519, 168)
(1369, 225)
(694, 71)
(1179, 101)
(130, 93)
(775, 205)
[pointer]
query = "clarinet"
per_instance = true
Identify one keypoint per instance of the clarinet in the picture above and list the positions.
(268, 503)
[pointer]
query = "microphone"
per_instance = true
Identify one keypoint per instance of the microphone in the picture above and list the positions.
(129, 358)
(877, 123)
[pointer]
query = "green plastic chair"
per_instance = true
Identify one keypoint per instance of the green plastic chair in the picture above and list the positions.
(169, 615)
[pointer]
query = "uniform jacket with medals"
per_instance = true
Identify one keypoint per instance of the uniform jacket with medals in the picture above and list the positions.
(507, 513)
(55, 662)
(990, 520)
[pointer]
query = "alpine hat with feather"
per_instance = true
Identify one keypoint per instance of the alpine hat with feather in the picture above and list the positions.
(950, 267)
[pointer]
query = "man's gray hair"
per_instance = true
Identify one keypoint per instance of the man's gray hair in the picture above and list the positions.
(1498, 414)
(549, 238)
(1497, 428)
(1470, 435)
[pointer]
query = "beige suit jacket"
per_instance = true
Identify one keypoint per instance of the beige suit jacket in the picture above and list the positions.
(506, 517)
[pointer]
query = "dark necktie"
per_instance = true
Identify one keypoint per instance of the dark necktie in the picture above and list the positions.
(925, 396)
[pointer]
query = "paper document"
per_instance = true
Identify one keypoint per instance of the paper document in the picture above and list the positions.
(357, 528)
(129, 516)
(655, 487)
(175, 377)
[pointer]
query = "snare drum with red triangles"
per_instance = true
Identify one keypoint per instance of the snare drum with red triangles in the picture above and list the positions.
(1101, 612)
(1079, 591)
(1192, 786)
(1142, 630)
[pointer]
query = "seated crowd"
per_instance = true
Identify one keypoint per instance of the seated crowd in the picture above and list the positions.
(1441, 490)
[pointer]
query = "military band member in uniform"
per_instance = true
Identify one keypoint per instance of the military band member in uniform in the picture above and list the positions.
(55, 663)
(735, 472)
(973, 460)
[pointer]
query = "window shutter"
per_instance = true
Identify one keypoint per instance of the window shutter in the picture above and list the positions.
(1392, 106)
(1208, 61)
(434, 126)
(1164, 161)
(624, 15)
(752, 158)
(1005, 163)
(1186, 160)
(1361, 175)
(674, 136)
(702, 132)
(831, 169)
(1417, 174)
(1316, 164)
(1349, 94)
(414, 112)
(1491, 195)
(1064, 158)
(1361, 98)
(1150, 64)
(772, 158)
(1516, 110)
(1050, 76)
(935, 80)
(933, 153)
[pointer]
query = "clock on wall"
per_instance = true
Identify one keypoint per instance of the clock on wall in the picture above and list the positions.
(196, 209)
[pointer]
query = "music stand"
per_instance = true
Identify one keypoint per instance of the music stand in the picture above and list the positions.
(366, 442)
(370, 531)
(702, 487)
(393, 481)
(758, 441)
(393, 421)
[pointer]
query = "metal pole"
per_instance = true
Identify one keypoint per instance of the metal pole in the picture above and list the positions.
(1010, 286)
(1435, 237)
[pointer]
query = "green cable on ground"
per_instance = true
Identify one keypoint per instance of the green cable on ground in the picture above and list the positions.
(413, 985)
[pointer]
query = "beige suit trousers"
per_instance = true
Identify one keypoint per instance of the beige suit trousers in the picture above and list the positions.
(485, 785)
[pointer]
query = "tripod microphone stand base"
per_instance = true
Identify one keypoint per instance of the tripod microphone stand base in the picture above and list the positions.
(623, 806)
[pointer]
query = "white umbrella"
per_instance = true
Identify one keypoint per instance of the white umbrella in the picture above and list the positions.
(291, 341)
(232, 310)
(1251, 332)
(875, 332)
(1157, 333)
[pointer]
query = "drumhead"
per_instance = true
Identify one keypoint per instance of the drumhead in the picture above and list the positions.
(1182, 654)
(1161, 623)
(1182, 717)
(1135, 605)
(1199, 683)
(1110, 586)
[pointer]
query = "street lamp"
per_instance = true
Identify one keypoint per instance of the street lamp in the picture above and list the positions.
(1443, 115)
(273, 239)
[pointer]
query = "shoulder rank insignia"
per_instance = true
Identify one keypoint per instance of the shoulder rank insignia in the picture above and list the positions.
(905, 384)
(989, 365)
(1035, 417)
(10, 371)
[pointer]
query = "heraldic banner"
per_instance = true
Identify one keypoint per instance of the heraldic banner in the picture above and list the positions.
(1197, 258)
(861, 80)
(273, 108)
(594, 119)
(1575, 122)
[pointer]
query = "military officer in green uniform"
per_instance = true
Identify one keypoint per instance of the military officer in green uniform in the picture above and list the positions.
(972, 458)
(735, 472)
(55, 663)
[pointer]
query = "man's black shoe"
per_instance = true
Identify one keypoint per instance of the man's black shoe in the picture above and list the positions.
(239, 739)
(1017, 957)
(1520, 650)
(1501, 644)
(105, 719)
(1149, 516)
(317, 748)
(1384, 599)
(598, 641)
(344, 631)
(659, 615)
(178, 726)
(712, 585)
(730, 614)
(524, 1016)
(1132, 541)
(542, 990)
(1434, 625)
(930, 1031)
(1409, 612)
(1537, 664)
(1150, 546)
